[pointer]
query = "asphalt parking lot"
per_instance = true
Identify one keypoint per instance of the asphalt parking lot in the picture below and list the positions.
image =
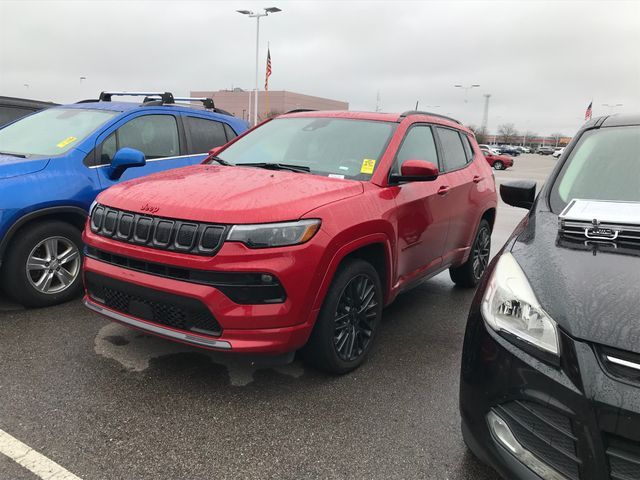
(106, 402)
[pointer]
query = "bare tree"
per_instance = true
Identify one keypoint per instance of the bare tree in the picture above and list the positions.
(479, 132)
(528, 137)
(555, 137)
(507, 133)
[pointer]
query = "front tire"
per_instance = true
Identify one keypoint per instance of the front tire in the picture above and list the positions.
(43, 264)
(470, 273)
(498, 165)
(348, 321)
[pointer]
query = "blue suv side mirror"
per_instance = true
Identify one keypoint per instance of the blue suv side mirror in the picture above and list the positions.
(125, 158)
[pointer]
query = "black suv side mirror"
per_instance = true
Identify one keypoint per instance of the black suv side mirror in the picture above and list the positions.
(520, 193)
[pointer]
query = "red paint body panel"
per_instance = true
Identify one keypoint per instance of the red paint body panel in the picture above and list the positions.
(418, 228)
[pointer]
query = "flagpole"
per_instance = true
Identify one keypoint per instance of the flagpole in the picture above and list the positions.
(266, 87)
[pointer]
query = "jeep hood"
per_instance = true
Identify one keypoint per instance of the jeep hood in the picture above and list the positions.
(590, 290)
(11, 166)
(212, 193)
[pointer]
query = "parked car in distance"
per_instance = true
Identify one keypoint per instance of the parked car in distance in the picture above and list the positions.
(497, 162)
(523, 149)
(294, 235)
(550, 377)
(509, 150)
(53, 164)
(12, 108)
(557, 152)
(544, 150)
(492, 148)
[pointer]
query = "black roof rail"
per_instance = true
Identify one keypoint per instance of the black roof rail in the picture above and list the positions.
(419, 112)
(89, 100)
(300, 110)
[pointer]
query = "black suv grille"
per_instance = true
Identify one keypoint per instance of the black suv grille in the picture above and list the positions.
(157, 232)
(174, 311)
(624, 458)
(545, 433)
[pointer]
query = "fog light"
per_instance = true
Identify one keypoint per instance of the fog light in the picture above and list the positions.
(266, 278)
(501, 432)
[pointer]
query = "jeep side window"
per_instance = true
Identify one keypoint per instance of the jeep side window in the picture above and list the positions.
(154, 135)
(418, 144)
(204, 134)
(468, 149)
(453, 151)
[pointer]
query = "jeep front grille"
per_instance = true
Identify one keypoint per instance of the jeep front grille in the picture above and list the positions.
(157, 232)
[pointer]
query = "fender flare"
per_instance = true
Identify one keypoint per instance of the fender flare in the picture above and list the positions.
(343, 252)
(13, 229)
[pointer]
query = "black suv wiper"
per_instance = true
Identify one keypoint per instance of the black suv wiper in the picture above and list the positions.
(19, 155)
(277, 166)
(220, 161)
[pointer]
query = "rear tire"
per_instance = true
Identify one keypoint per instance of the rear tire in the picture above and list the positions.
(347, 323)
(498, 165)
(470, 273)
(43, 264)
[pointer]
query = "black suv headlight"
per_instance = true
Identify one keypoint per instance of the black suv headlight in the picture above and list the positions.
(509, 305)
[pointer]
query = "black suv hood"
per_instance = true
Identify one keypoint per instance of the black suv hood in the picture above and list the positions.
(591, 291)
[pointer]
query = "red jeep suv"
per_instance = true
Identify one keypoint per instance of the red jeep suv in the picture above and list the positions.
(294, 235)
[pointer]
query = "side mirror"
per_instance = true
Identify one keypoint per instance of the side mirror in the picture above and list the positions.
(521, 193)
(125, 158)
(416, 171)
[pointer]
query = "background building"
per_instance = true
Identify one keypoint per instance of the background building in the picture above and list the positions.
(237, 100)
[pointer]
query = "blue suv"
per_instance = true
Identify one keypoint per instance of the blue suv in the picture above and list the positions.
(53, 164)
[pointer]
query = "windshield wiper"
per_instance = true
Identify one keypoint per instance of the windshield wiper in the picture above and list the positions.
(19, 155)
(220, 161)
(277, 166)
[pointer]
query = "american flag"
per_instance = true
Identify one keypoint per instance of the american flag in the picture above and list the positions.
(266, 80)
(587, 114)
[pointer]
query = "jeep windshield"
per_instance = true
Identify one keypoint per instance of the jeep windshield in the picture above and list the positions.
(51, 132)
(337, 147)
(604, 165)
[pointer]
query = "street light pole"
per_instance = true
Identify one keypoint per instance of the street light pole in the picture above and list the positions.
(466, 89)
(257, 16)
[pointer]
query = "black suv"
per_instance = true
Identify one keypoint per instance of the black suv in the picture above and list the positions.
(550, 380)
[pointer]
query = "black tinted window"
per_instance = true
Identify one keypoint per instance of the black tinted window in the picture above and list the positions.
(154, 135)
(468, 150)
(453, 151)
(9, 114)
(418, 144)
(205, 134)
(229, 131)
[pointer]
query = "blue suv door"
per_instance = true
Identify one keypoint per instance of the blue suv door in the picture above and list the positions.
(159, 135)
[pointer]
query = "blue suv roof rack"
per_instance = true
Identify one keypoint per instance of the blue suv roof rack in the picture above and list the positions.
(162, 98)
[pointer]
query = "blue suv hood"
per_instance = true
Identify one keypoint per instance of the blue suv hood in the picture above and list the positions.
(15, 166)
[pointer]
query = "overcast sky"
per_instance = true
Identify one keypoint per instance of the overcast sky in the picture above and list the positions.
(542, 62)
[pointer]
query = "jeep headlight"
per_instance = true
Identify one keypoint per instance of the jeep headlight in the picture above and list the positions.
(264, 235)
(510, 305)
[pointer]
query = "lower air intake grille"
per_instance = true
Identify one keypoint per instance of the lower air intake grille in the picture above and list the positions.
(624, 458)
(173, 311)
(545, 433)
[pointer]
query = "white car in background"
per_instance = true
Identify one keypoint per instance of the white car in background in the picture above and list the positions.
(492, 148)
(557, 152)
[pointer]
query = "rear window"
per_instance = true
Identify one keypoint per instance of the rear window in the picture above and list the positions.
(604, 165)
(454, 154)
(205, 134)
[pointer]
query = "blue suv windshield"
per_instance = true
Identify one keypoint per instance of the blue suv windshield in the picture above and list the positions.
(51, 132)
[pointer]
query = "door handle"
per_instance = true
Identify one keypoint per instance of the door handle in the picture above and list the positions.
(477, 179)
(444, 189)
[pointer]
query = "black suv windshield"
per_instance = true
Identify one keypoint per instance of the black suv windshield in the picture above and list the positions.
(338, 147)
(604, 165)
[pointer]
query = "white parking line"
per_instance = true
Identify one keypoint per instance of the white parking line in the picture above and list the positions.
(31, 460)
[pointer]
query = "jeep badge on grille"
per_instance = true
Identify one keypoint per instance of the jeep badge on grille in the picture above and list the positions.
(148, 208)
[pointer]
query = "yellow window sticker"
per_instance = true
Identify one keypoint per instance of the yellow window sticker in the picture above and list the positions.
(66, 142)
(367, 166)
